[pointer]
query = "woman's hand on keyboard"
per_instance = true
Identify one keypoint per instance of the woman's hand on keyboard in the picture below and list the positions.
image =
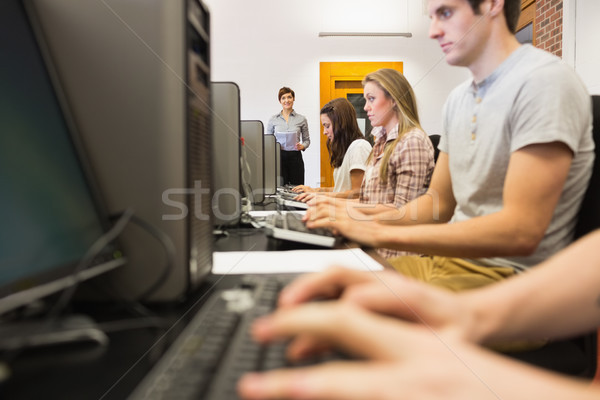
(343, 217)
(306, 196)
(302, 189)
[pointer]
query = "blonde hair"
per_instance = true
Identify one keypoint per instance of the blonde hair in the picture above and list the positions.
(396, 88)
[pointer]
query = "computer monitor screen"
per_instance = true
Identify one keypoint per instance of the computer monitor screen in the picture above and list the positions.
(50, 216)
(270, 164)
(227, 199)
(252, 160)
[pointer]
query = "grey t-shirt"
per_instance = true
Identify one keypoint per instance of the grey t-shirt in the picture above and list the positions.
(532, 97)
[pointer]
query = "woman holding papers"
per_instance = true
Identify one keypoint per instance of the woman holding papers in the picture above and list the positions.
(348, 151)
(291, 131)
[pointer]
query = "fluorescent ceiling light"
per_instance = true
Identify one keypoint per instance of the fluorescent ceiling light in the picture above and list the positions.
(383, 34)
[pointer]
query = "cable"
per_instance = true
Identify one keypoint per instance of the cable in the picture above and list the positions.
(134, 307)
(271, 200)
(52, 318)
(85, 262)
(170, 253)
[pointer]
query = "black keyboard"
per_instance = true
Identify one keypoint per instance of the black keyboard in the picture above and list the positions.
(216, 349)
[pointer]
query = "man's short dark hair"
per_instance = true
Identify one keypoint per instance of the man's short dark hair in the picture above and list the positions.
(512, 11)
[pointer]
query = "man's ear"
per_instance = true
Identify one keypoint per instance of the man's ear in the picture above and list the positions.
(495, 7)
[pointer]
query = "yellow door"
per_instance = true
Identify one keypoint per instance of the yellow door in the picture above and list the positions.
(343, 79)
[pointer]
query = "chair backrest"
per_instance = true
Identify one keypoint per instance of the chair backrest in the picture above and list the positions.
(435, 140)
(589, 220)
(589, 215)
(576, 356)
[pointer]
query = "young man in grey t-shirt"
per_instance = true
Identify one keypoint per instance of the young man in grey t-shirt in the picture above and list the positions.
(515, 159)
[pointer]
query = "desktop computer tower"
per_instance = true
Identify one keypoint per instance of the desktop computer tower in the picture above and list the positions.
(137, 77)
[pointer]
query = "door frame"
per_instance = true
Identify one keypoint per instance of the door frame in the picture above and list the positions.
(332, 72)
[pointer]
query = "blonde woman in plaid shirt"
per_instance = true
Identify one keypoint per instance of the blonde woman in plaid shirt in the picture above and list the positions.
(400, 166)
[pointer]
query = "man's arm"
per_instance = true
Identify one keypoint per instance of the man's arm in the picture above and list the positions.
(558, 298)
(358, 221)
(533, 185)
(401, 360)
(435, 206)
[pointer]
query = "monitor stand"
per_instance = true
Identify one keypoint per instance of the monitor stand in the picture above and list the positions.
(43, 333)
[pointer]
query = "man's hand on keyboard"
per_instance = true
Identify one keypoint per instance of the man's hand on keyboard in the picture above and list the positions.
(394, 359)
(330, 284)
(385, 292)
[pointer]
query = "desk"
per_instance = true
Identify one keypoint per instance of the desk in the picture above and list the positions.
(77, 372)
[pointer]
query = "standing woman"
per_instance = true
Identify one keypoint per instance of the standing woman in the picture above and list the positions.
(400, 167)
(291, 130)
(348, 151)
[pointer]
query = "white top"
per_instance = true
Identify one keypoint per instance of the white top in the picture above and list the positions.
(355, 158)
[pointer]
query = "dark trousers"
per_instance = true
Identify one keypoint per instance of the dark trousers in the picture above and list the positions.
(292, 167)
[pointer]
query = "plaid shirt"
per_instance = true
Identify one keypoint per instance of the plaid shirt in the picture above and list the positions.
(408, 176)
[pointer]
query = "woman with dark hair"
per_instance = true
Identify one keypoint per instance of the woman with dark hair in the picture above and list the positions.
(291, 130)
(348, 151)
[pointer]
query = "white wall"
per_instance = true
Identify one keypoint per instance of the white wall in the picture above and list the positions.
(581, 37)
(265, 44)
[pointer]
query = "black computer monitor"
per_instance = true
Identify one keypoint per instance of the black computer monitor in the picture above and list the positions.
(270, 164)
(253, 175)
(48, 207)
(226, 150)
(278, 164)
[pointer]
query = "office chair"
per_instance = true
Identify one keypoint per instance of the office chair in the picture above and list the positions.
(435, 140)
(577, 356)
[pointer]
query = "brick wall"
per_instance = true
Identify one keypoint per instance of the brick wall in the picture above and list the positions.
(548, 26)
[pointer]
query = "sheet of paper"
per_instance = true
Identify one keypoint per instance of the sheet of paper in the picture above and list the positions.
(287, 140)
(291, 261)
